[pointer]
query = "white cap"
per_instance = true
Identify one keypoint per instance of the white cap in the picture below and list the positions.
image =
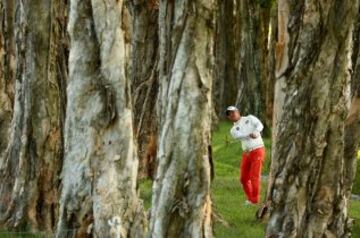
(231, 108)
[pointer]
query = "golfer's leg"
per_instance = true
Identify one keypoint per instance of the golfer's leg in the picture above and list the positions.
(245, 175)
(255, 174)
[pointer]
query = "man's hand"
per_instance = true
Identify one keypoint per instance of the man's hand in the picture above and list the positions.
(253, 135)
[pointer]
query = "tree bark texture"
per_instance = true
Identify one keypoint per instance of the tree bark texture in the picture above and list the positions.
(181, 205)
(31, 157)
(7, 71)
(352, 124)
(99, 174)
(252, 59)
(313, 62)
(225, 84)
(144, 80)
(271, 63)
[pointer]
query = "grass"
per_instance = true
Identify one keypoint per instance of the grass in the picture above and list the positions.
(226, 190)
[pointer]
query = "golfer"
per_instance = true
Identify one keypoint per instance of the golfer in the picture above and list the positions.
(247, 129)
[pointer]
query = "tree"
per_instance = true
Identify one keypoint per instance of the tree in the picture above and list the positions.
(352, 123)
(7, 72)
(144, 15)
(100, 165)
(31, 155)
(271, 63)
(252, 72)
(313, 67)
(225, 84)
(181, 205)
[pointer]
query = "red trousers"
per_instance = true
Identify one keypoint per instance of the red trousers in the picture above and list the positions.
(250, 173)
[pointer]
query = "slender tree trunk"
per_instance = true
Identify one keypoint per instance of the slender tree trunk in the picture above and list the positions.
(181, 205)
(282, 61)
(144, 80)
(274, 93)
(265, 58)
(253, 55)
(31, 161)
(271, 62)
(225, 85)
(99, 174)
(313, 62)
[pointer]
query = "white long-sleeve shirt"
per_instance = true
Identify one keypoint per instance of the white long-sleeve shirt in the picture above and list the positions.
(242, 130)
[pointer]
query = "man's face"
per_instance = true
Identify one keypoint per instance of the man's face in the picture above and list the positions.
(234, 116)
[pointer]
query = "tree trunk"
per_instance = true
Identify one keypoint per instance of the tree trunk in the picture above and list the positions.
(144, 80)
(352, 124)
(7, 71)
(31, 161)
(271, 63)
(225, 85)
(265, 58)
(313, 57)
(253, 55)
(181, 205)
(99, 174)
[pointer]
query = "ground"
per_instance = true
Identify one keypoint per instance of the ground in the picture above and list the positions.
(228, 197)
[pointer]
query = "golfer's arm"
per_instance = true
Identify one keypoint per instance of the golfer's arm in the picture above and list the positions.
(258, 125)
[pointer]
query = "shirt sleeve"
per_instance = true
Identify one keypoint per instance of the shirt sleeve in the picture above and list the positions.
(257, 123)
(237, 134)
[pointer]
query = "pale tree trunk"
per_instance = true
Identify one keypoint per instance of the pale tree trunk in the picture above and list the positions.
(30, 164)
(281, 63)
(252, 59)
(99, 195)
(181, 205)
(144, 80)
(313, 58)
(225, 85)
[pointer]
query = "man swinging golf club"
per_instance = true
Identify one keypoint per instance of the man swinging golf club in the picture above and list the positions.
(247, 129)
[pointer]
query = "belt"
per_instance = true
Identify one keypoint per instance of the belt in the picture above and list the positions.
(251, 149)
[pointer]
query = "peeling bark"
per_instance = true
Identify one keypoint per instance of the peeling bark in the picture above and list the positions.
(144, 81)
(100, 167)
(313, 57)
(181, 205)
(31, 161)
